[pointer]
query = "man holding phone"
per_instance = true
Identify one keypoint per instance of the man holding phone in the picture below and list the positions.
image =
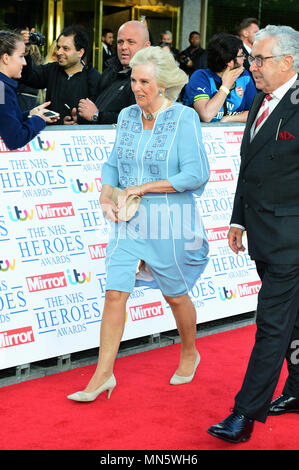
(68, 80)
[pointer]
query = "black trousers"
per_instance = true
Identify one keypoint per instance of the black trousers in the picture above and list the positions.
(277, 338)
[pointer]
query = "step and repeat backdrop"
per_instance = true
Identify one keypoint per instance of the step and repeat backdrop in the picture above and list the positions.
(53, 239)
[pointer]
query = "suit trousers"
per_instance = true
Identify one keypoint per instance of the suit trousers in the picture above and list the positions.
(277, 338)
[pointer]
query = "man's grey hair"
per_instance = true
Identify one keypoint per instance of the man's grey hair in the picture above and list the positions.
(287, 41)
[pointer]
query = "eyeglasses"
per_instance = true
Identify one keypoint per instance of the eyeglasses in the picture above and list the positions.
(259, 60)
(241, 56)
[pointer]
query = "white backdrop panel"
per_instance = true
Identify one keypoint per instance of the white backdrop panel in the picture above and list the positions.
(53, 238)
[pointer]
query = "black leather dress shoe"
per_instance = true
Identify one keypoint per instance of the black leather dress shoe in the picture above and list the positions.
(235, 428)
(284, 404)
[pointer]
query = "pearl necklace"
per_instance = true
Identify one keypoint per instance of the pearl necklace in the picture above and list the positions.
(151, 116)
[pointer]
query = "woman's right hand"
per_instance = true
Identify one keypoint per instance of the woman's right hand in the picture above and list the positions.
(109, 208)
(230, 76)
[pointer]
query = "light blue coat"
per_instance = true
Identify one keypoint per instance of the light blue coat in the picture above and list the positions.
(167, 231)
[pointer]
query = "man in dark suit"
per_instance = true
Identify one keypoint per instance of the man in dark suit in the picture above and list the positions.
(246, 31)
(107, 42)
(266, 205)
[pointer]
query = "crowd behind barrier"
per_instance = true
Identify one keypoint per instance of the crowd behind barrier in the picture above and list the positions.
(53, 238)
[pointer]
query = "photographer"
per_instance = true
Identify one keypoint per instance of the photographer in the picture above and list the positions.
(28, 97)
(166, 43)
(68, 80)
(194, 57)
(16, 128)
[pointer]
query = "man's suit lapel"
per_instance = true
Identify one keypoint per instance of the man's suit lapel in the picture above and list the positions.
(279, 116)
(251, 117)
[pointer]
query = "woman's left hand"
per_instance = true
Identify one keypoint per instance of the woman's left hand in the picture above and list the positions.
(131, 191)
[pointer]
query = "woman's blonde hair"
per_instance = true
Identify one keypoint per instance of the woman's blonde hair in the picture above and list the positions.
(167, 72)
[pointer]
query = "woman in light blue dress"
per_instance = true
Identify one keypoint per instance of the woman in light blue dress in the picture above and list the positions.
(158, 155)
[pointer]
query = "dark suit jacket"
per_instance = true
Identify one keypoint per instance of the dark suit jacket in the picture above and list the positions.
(267, 195)
(246, 63)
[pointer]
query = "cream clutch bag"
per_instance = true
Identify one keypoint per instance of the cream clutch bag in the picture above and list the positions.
(130, 208)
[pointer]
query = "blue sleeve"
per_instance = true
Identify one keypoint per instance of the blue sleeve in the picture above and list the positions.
(198, 87)
(15, 129)
(193, 162)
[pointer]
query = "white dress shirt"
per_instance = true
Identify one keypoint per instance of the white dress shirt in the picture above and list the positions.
(277, 95)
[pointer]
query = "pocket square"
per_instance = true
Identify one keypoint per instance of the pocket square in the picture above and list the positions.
(285, 135)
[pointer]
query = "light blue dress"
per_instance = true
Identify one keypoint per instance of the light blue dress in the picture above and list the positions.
(167, 231)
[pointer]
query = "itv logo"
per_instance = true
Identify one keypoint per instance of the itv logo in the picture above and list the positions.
(40, 145)
(18, 215)
(79, 187)
(6, 265)
(78, 278)
(226, 294)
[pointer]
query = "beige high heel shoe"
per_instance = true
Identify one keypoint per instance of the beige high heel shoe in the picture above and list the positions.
(91, 396)
(180, 379)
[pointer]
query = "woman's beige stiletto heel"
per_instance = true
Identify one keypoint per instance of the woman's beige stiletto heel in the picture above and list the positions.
(179, 379)
(91, 396)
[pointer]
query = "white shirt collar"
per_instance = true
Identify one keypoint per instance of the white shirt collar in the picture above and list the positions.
(248, 49)
(281, 91)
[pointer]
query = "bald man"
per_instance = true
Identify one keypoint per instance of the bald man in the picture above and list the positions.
(115, 87)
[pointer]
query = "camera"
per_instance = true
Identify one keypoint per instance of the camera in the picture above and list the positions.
(37, 39)
(184, 60)
(165, 44)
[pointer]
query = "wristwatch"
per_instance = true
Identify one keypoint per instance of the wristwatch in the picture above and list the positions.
(94, 118)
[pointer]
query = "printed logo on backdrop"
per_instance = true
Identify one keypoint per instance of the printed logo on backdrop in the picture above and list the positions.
(4, 149)
(4, 234)
(55, 210)
(220, 176)
(227, 294)
(88, 152)
(16, 337)
(36, 145)
(78, 186)
(6, 265)
(216, 234)
(249, 288)
(13, 302)
(233, 137)
(56, 280)
(31, 176)
(98, 251)
(142, 312)
(67, 314)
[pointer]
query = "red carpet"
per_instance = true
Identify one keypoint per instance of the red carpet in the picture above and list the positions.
(144, 412)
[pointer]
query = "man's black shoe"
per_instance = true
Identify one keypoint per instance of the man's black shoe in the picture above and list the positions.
(284, 404)
(235, 428)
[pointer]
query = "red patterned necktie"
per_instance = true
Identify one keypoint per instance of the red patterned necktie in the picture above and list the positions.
(263, 113)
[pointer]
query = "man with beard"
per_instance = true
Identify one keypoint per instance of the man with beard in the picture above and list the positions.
(67, 80)
(224, 91)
